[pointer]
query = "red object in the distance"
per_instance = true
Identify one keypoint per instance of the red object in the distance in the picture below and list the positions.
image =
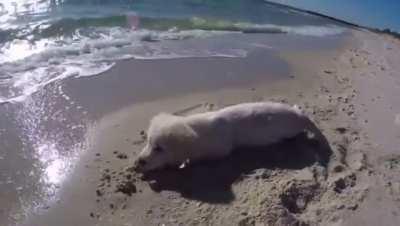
(133, 21)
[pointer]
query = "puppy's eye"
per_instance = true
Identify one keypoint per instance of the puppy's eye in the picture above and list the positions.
(158, 148)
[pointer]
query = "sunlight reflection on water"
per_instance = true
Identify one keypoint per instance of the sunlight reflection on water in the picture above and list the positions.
(54, 164)
(53, 133)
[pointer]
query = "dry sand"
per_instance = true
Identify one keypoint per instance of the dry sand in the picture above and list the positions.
(352, 96)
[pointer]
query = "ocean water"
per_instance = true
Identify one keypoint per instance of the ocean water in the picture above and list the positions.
(49, 40)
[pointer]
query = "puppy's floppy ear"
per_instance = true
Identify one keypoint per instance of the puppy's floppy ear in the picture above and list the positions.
(180, 131)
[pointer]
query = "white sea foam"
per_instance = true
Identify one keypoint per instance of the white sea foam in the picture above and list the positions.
(30, 68)
(306, 30)
(27, 67)
(317, 31)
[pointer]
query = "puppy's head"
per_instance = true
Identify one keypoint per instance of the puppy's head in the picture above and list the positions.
(168, 141)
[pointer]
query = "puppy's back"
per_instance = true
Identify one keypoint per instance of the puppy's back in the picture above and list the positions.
(258, 124)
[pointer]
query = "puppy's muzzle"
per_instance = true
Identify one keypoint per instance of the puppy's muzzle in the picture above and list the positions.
(139, 164)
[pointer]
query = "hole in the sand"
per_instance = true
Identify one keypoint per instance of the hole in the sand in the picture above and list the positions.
(340, 185)
(127, 187)
(343, 183)
(296, 197)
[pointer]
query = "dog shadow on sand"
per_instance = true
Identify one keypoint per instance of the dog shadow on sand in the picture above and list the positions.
(211, 181)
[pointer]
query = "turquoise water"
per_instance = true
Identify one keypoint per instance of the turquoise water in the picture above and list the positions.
(46, 41)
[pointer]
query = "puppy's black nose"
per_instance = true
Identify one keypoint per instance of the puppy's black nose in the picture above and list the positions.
(142, 162)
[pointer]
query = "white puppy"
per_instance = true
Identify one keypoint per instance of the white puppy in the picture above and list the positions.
(172, 140)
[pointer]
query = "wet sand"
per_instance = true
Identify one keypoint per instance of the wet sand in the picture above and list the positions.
(348, 89)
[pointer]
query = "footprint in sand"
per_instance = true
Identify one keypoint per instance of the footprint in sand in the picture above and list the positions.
(397, 120)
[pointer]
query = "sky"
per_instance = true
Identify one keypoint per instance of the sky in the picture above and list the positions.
(371, 13)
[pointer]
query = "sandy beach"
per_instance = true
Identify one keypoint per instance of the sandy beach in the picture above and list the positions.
(349, 86)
